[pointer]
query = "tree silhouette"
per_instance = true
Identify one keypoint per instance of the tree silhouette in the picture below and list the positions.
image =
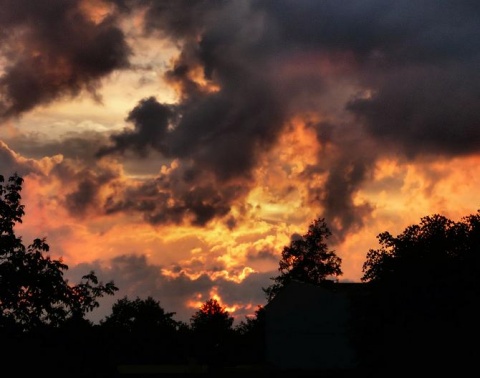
(251, 340)
(253, 324)
(141, 331)
(437, 250)
(307, 259)
(139, 315)
(212, 332)
(33, 291)
(425, 289)
(211, 318)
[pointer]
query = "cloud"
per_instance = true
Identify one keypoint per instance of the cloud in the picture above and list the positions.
(80, 146)
(136, 278)
(424, 110)
(21, 165)
(382, 78)
(151, 122)
(283, 110)
(169, 199)
(55, 49)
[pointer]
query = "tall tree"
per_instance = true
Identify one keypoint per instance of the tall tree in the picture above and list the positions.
(251, 337)
(140, 331)
(253, 324)
(212, 333)
(139, 315)
(33, 291)
(211, 318)
(307, 259)
(425, 285)
(435, 250)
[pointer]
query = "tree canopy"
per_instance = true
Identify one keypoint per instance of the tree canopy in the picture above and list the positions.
(417, 304)
(253, 324)
(425, 289)
(211, 318)
(33, 290)
(307, 259)
(139, 315)
(435, 250)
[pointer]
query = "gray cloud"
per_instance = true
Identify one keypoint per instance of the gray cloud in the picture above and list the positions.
(54, 50)
(151, 120)
(84, 185)
(396, 77)
(254, 255)
(425, 110)
(16, 163)
(81, 146)
(173, 199)
(135, 277)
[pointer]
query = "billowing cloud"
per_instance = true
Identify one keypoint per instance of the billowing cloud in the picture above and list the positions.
(181, 294)
(258, 116)
(21, 165)
(238, 89)
(168, 199)
(425, 109)
(151, 120)
(54, 49)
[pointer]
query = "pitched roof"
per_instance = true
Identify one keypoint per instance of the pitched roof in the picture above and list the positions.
(296, 291)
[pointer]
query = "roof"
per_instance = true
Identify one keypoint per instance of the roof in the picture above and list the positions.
(296, 291)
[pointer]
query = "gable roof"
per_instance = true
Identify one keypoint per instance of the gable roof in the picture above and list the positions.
(297, 293)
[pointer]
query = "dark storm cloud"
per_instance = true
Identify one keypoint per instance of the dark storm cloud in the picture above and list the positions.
(340, 211)
(84, 185)
(136, 278)
(344, 170)
(401, 31)
(418, 62)
(177, 18)
(53, 49)
(80, 146)
(180, 17)
(223, 132)
(418, 59)
(217, 135)
(151, 120)
(414, 65)
(426, 110)
(168, 199)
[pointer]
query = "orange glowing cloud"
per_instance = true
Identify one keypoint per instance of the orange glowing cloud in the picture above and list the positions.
(96, 10)
(213, 294)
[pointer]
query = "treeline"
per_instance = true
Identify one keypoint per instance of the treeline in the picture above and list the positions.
(137, 334)
(419, 309)
(43, 324)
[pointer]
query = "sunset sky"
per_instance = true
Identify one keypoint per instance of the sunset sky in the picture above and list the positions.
(176, 146)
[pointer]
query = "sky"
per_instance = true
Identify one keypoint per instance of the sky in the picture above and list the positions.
(176, 146)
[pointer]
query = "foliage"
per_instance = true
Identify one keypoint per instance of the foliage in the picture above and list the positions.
(140, 331)
(307, 259)
(139, 315)
(253, 324)
(436, 250)
(251, 338)
(211, 318)
(425, 289)
(33, 291)
(212, 333)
